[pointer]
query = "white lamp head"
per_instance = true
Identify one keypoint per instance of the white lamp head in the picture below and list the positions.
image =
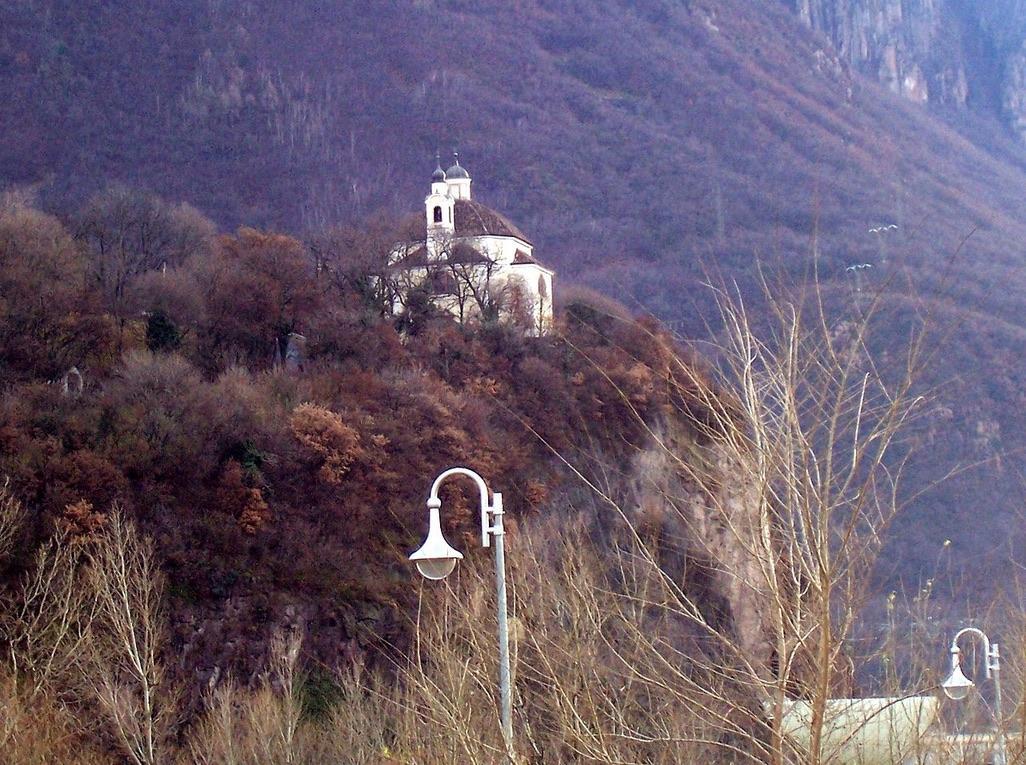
(436, 558)
(957, 685)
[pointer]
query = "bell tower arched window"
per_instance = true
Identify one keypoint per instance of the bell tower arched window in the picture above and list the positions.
(438, 215)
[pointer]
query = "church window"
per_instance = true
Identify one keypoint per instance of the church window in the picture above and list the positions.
(438, 215)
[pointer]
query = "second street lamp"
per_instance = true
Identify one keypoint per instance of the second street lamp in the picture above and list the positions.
(957, 686)
(436, 559)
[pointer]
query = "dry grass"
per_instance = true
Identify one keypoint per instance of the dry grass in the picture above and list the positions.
(35, 729)
(586, 664)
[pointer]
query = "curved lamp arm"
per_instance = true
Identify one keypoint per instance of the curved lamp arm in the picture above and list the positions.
(990, 650)
(495, 509)
(959, 682)
(446, 557)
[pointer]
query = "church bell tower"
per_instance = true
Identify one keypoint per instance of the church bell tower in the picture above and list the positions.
(439, 211)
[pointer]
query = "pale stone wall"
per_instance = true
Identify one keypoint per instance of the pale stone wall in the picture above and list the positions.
(717, 522)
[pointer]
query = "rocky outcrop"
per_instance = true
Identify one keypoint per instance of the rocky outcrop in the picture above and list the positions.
(885, 39)
(715, 529)
(948, 52)
(1013, 92)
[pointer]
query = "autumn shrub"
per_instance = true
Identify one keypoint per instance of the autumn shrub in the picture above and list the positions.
(157, 410)
(331, 443)
(243, 502)
(50, 321)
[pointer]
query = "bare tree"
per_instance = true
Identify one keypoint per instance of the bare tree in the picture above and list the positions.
(128, 233)
(46, 624)
(120, 661)
(44, 621)
(802, 423)
(472, 276)
(354, 262)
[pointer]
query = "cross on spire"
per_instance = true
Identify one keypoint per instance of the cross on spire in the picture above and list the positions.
(439, 174)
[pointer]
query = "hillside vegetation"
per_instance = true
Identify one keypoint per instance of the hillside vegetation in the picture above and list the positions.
(282, 495)
(639, 143)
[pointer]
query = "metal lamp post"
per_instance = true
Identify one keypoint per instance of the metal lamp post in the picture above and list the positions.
(436, 559)
(957, 685)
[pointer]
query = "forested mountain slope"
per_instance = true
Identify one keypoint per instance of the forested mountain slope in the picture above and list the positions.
(638, 143)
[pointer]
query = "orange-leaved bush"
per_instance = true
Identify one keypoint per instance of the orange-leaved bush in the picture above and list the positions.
(330, 442)
(245, 503)
(80, 520)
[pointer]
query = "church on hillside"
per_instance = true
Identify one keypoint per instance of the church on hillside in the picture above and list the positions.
(471, 260)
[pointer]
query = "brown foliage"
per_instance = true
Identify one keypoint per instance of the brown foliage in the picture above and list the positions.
(257, 289)
(80, 521)
(209, 448)
(332, 443)
(245, 503)
(48, 321)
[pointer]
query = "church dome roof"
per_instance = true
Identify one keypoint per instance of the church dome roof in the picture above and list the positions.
(438, 175)
(469, 219)
(476, 219)
(456, 171)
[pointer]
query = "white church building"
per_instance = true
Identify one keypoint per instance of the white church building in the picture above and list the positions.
(472, 260)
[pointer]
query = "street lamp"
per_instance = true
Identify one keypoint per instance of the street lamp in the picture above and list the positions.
(436, 559)
(957, 686)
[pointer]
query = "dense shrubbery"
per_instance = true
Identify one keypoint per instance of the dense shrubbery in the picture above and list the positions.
(209, 561)
(277, 494)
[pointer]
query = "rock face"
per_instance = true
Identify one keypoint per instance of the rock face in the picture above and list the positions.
(1013, 94)
(716, 531)
(961, 53)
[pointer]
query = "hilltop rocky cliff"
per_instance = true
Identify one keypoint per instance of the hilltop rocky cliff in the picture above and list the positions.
(961, 53)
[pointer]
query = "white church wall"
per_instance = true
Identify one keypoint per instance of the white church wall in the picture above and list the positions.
(535, 283)
(522, 290)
